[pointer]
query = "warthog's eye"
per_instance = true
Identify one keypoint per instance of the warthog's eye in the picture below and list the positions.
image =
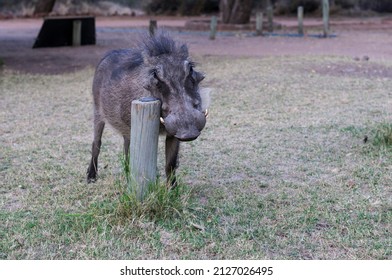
(154, 74)
(192, 75)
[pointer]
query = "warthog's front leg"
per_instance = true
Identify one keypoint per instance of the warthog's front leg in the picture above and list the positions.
(171, 149)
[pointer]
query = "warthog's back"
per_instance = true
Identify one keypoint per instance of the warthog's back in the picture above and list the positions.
(117, 82)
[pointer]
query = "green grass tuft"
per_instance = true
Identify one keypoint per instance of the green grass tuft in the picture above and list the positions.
(161, 202)
(383, 135)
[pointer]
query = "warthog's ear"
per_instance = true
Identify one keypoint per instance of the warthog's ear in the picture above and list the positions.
(147, 59)
(197, 76)
(184, 51)
(205, 98)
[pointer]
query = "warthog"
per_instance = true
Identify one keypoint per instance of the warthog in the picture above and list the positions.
(159, 68)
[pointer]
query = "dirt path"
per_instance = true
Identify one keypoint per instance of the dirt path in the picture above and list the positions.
(371, 37)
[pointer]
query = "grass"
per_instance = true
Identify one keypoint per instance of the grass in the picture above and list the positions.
(161, 202)
(383, 135)
(280, 172)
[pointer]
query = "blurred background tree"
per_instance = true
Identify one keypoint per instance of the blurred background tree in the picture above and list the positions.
(44, 7)
(290, 6)
(181, 7)
(236, 11)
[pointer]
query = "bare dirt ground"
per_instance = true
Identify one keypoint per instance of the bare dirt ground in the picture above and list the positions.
(358, 38)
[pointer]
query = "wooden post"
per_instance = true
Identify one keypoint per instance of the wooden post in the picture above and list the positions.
(145, 115)
(270, 15)
(153, 26)
(76, 33)
(214, 22)
(326, 18)
(259, 24)
(300, 11)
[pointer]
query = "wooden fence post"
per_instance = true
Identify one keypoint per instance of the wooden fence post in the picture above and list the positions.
(153, 26)
(326, 18)
(259, 24)
(76, 33)
(214, 22)
(300, 20)
(270, 15)
(145, 115)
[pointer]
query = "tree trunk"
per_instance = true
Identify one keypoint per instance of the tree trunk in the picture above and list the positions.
(44, 7)
(235, 11)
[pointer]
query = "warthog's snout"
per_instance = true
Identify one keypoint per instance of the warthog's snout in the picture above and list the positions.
(188, 137)
(185, 127)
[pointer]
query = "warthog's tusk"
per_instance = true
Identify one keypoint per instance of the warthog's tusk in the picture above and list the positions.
(162, 120)
(206, 113)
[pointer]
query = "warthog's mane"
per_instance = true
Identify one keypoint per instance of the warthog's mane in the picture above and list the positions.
(163, 44)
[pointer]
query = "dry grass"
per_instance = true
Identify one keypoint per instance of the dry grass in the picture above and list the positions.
(280, 172)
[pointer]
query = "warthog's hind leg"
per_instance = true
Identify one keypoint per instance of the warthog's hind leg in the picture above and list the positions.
(92, 170)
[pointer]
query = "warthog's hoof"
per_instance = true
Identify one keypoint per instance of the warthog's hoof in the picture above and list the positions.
(91, 180)
(91, 176)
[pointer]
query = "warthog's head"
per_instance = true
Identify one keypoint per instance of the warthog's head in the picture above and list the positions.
(171, 76)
